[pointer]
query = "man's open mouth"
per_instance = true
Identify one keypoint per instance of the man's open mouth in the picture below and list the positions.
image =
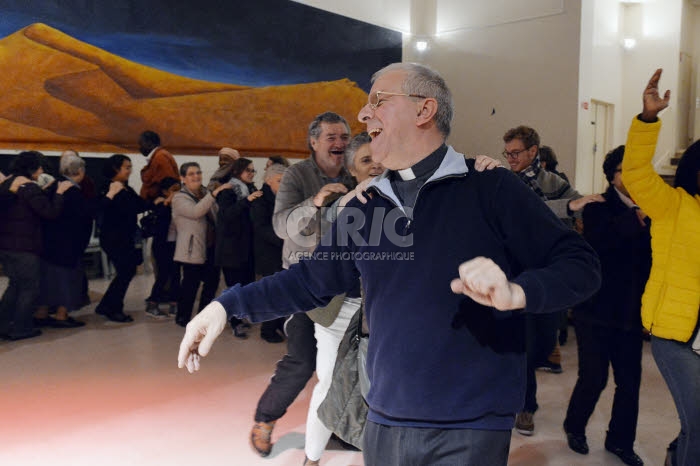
(373, 133)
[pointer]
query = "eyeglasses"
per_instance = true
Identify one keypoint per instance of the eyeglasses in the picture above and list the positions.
(515, 154)
(193, 173)
(375, 98)
(251, 170)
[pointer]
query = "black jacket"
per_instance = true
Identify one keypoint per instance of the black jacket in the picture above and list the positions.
(117, 219)
(67, 236)
(234, 230)
(21, 228)
(267, 246)
(624, 248)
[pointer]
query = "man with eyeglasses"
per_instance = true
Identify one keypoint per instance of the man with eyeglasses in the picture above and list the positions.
(461, 256)
(522, 153)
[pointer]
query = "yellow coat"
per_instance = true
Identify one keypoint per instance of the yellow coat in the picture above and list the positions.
(672, 295)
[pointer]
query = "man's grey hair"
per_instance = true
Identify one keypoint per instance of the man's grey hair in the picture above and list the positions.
(326, 117)
(71, 165)
(274, 169)
(355, 143)
(422, 80)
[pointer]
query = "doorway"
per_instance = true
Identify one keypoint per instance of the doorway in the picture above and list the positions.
(602, 121)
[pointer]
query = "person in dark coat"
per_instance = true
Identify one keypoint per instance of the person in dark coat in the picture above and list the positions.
(267, 246)
(65, 240)
(21, 242)
(608, 326)
(167, 283)
(234, 231)
(119, 206)
(89, 191)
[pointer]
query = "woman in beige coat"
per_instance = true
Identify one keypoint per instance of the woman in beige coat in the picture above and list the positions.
(194, 248)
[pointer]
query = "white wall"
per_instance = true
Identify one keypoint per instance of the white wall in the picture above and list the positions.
(392, 14)
(694, 13)
(600, 78)
(656, 26)
(510, 70)
(518, 59)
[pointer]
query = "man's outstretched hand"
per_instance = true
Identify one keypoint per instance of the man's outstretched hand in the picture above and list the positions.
(483, 280)
(652, 101)
(200, 335)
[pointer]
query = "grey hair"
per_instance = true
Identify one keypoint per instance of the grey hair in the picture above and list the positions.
(355, 143)
(71, 165)
(326, 117)
(422, 80)
(274, 169)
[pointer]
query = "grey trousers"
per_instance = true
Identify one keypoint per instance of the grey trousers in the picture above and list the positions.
(413, 446)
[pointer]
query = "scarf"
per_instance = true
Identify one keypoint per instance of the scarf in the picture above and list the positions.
(529, 177)
(240, 188)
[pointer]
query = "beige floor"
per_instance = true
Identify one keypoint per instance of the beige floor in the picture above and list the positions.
(111, 394)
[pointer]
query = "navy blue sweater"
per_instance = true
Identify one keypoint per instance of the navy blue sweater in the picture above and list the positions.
(436, 358)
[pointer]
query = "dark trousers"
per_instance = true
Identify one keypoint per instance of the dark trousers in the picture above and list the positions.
(192, 276)
(19, 299)
(270, 327)
(541, 336)
(243, 275)
(409, 446)
(599, 347)
(125, 261)
(293, 371)
(166, 288)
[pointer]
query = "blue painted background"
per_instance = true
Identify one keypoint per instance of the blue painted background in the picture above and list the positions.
(254, 42)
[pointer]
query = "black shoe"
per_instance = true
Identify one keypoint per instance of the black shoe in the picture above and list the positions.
(577, 442)
(627, 456)
(117, 316)
(272, 338)
(34, 333)
(68, 322)
(239, 331)
(43, 321)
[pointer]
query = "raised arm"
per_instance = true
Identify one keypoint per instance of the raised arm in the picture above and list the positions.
(645, 186)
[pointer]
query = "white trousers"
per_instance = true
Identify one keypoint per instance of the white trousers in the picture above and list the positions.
(327, 342)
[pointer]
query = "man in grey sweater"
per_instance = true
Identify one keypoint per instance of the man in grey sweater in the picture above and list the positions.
(306, 188)
(522, 146)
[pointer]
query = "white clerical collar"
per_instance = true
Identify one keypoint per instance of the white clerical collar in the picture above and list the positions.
(625, 199)
(406, 174)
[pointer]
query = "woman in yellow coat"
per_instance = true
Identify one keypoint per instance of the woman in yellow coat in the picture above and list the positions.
(672, 294)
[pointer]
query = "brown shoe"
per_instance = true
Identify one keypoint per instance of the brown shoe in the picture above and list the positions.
(524, 423)
(308, 462)
(261, 437)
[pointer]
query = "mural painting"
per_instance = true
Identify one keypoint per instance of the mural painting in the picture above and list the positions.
(203, 75)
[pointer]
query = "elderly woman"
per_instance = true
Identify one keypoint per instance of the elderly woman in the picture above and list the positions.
(267, 246)
(21, 242)
(118, 209)
(65, 240)
(358, 161)
(194, 246)
(234, 231)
